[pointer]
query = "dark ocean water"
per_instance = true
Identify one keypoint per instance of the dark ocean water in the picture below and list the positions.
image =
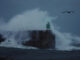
(30, 54)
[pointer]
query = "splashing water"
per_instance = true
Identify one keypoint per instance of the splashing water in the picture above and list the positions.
(64, 41)
(16, 30)
(15, 39)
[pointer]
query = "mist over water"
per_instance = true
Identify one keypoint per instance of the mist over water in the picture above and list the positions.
(16, 30)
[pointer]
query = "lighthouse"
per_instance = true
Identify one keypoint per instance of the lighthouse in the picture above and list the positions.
(48, 26)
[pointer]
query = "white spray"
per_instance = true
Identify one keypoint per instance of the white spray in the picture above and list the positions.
(34, 20)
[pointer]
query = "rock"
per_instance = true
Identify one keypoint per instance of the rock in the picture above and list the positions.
(1, 38)
(41, 39)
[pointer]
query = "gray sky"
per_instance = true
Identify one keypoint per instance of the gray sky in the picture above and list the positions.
(67, 22)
